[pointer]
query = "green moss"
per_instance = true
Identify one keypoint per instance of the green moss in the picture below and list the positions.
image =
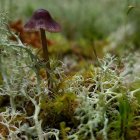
(61, 108)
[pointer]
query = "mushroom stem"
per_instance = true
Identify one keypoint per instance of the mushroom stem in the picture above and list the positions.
(46, 55)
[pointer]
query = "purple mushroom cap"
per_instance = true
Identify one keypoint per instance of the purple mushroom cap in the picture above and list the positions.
(42, 19)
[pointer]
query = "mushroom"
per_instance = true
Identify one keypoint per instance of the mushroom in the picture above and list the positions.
(42, 21)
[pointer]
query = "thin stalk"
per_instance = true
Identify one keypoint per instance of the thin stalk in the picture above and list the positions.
(96, 56)
(38, 123)
(46, 56)
(12, 103)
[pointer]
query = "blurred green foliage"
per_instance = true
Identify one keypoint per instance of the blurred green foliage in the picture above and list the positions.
(89, 20)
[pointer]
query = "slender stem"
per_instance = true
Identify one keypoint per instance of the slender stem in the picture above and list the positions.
(96, 57)
(37, 122)
(46, 55)
(12, 103)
